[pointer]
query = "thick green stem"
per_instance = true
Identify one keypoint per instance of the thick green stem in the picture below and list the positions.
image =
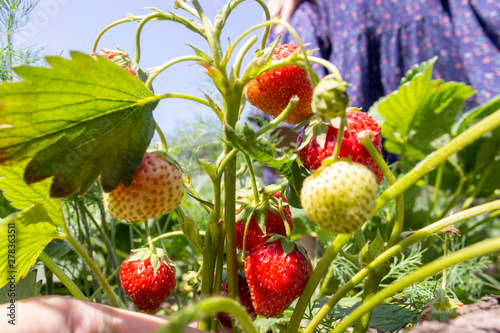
(370, 288)
(209, 33)
(312, 283)
(289, 108)
(340, 137)
(65, 279)
(93, 267)
(433, 160)
(395, 250)
(207, 307)
(477, 250)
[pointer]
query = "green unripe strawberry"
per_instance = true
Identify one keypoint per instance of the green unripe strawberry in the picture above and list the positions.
(330, 98)
(340, 197)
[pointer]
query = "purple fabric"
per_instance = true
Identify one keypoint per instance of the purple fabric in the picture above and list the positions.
(374, 42)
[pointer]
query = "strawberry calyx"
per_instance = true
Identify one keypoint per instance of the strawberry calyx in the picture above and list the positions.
(288, 245)
(157, 258)
(441, 308)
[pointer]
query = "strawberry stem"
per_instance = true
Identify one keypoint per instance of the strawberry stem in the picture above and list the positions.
(393, 251)
(208, 307)
(65, 279)
(477, 250)
(440, 156)
(138, 31)
(163, 144)
(111, 25)
(340, 137)
(148, 236)
(319, 271)
(289, 108)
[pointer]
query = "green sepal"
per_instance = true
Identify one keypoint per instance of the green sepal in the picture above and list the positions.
(260, 216)
(221, 18)
(371, 250)
(201, 54)
(210, 168)
(190, 24)
(261, 63)
(217, 77)
(215, 107)
(418, 69)
(156, 259)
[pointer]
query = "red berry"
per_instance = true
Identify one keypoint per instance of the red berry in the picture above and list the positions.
(272, 90)
(274, 225)
(157, 188)
(275, 278)
(360, 124)
(111, 54)
(145, 287)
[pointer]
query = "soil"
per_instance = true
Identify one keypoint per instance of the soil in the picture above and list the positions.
(481, 317)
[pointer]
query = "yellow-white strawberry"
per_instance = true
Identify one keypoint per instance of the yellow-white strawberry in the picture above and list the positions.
(157, 189)
(340, 197)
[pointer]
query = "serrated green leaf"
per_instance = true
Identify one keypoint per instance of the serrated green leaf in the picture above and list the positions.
(477, 113)
(200, 53)
(263, 150)
(419, 112)
(417, 69)
(26, 234)
(77, 120)
(22, 196)
(26, 287)
(5, 207)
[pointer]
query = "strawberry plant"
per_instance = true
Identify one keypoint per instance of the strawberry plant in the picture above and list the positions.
(82, 187)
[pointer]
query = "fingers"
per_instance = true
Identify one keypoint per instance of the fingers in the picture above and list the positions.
(284, 9)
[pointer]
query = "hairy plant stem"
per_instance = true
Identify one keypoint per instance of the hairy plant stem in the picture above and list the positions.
(395, 250)
(319, 271)
(65, 279)
(207, 307)
(111, 25)
(477, 250)
(433, 160)
(93, 267)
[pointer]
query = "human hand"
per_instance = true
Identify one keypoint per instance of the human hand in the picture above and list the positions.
(61, 314)
(282, 8)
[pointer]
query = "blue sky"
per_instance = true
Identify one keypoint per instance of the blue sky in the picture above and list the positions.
(64, 25)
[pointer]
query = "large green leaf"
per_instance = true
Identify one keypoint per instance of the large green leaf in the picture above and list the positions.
(419, 112)
(25, 235)
(26, 287)
(81, 119)
(21, 196)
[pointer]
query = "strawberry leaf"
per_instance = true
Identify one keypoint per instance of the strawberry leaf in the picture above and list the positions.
(21, 196)
(26, 234)
(419, 112)
(81, 119)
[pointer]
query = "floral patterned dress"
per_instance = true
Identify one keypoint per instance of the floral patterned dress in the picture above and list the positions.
(374, 42)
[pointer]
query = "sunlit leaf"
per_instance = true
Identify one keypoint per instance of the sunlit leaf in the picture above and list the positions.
(81, 119)
(25, 235)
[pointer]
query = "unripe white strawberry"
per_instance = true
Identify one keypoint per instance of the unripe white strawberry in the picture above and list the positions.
(340, 197)
(157, 189)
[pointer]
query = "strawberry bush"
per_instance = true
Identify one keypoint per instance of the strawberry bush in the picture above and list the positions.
(341, 238)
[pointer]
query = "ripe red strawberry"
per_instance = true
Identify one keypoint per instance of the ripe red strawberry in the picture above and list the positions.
(245, 300)
(272, 90)
(148, 279)
(274, 225)
(121, 58)
(360, 125)
(157, 188)
(275, 277)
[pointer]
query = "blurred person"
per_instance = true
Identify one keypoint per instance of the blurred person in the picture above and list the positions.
(374, 42)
